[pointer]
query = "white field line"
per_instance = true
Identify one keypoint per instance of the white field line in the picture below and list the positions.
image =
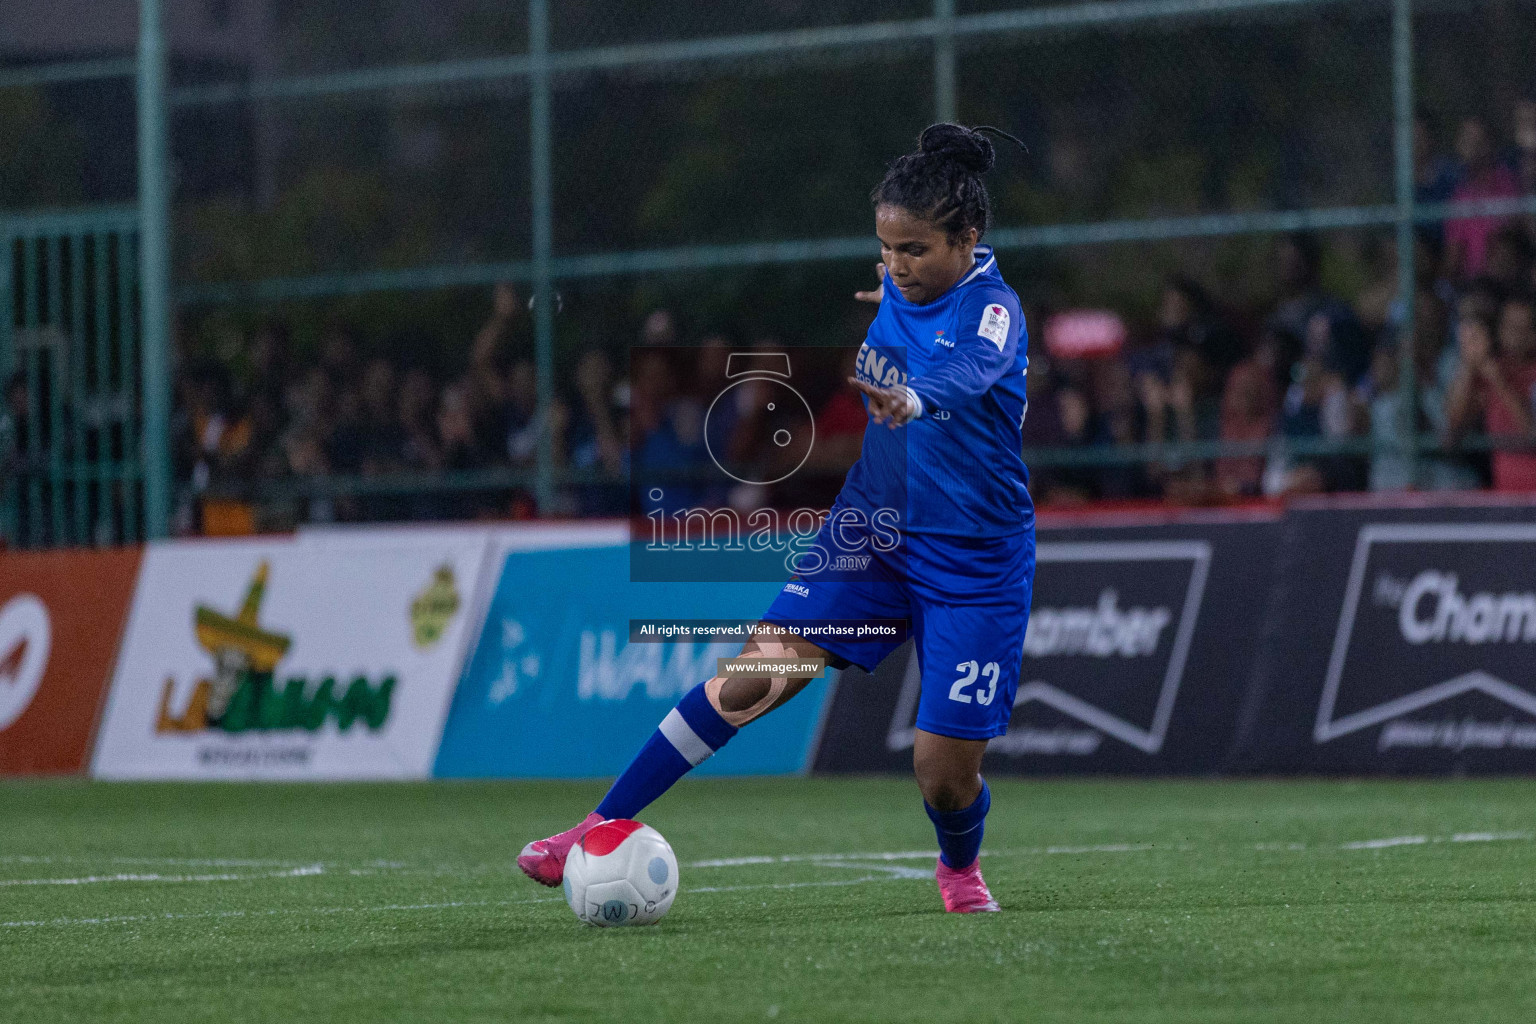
(863, 879)
(1490, 837)
(66, 922)
(829, 858)
(885, 872)
(184, 862)
(1459, 837)
(877, 861)
(832, 859)
(300, 911)
(1382, 844)
(891, 873)
(394, 868)
(303, 872)
(807, 858)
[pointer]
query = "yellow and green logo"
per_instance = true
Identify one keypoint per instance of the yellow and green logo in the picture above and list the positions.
(243, 694)
(434, 608)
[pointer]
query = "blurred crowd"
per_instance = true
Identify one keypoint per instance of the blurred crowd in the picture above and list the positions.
(269, 416)
(1300, 378)
(1300, 381)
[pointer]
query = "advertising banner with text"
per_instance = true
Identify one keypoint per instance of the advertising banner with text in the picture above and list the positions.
(291, 658)
(1140, 641)
(560, 686)
(61, 619)
(1404, 641)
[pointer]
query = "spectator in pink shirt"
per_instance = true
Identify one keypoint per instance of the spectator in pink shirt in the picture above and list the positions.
(1483, 177)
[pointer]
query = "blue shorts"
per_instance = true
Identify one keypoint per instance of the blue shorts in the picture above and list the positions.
(967, 602)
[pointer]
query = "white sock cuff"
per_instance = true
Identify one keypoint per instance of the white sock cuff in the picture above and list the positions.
(684, 740)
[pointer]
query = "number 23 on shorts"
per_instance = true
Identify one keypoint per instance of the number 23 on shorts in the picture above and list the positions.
(969, 671)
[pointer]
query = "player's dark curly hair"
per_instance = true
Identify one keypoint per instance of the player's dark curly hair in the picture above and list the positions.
(941, 181)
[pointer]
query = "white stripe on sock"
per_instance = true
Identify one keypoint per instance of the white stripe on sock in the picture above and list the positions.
(687, 742)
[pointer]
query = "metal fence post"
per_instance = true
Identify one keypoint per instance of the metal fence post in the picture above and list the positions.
(543, 243)
(946, 106)
(1407, 284)
(154, 270)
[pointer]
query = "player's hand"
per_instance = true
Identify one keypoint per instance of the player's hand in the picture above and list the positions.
(891, 406)
(878, 294)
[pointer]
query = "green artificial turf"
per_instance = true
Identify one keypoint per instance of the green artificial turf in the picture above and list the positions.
(1123, 901)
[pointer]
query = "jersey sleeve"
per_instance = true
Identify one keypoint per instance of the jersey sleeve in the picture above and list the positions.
(986, 345)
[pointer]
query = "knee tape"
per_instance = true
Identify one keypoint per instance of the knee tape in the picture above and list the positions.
(776, 686)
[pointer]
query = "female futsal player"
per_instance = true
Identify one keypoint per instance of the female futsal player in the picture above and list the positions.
(942, 373)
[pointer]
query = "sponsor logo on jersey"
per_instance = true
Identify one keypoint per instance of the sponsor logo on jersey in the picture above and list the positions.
(1436, 616)
(876, 369)
(939, 339)
(797, 589)
(994, 325)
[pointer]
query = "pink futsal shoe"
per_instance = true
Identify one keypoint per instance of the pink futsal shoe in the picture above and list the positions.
(964, 891)
(543, 860)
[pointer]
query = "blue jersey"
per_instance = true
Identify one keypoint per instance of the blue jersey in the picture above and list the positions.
(957, 468)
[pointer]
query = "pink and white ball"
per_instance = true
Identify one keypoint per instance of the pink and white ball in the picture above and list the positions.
(621, 873)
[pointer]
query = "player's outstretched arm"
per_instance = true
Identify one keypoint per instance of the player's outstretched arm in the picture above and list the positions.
(986, 348)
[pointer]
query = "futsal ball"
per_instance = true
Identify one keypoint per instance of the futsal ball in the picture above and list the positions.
(621, 873)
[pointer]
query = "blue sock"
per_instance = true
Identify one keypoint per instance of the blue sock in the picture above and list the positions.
(689, 734)
(960, 831)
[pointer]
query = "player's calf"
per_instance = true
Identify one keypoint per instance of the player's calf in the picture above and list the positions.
(957, 800)
(703, 722)
(960, 832)
(742, 699)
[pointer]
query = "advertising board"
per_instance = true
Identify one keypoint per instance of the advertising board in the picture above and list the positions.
(1404, 641)
(61, 618)
(291, 659)
(557, 687)
(1140, 641)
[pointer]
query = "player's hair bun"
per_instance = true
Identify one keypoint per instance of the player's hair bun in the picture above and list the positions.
(970, 149)
(942, 180)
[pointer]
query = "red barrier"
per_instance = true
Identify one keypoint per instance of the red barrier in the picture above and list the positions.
(61, 619)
